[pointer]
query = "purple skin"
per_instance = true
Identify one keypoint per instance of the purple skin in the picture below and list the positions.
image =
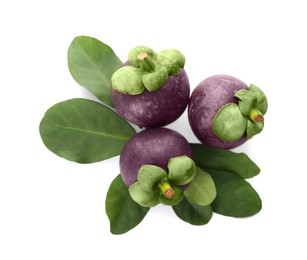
(206, 100)
(158, 108)
(153, 146)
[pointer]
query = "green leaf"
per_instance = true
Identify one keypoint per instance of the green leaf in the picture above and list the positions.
(84, 131)
(182, 170)
(223, 160)
(92, 64)
(235, 196)
(193, 213)
(149, 175)
(201, 189)
(142, 197)
(124, 214)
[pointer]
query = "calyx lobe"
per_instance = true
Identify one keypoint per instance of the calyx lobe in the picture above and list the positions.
(156, 186)
(233, 120)
(147, 70)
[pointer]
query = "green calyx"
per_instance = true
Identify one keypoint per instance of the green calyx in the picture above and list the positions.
(234, 120)
(155, 185)
(147, 70)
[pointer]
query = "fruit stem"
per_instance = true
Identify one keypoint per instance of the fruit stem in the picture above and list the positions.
(146, 62)
(166, 189)
(256, 116)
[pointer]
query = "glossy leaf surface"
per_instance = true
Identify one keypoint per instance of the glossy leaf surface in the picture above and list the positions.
(92, 64)
(124, 214)
(235, 196)
(223, 160)
(84, 131)
(193, 213)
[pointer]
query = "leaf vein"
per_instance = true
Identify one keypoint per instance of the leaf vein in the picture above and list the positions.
(96, 69)
(89, 131)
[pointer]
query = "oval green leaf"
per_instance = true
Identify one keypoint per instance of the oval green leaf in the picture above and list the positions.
(235, 196)
(92, 64)
(123, 213)
(201, 189)
(193, 213)
(84, 131)
(223, 160)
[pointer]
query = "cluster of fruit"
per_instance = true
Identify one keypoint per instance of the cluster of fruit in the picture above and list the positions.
(158, 165)
(152, 90)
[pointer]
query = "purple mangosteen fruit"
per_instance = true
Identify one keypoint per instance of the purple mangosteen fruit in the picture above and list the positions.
(224, 112)
(156, 165)
(151, 89)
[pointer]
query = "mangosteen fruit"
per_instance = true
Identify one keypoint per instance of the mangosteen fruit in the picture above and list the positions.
(151, 89)
(157, 165)
(224, 112)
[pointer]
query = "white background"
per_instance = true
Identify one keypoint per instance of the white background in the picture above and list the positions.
(51, 208)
